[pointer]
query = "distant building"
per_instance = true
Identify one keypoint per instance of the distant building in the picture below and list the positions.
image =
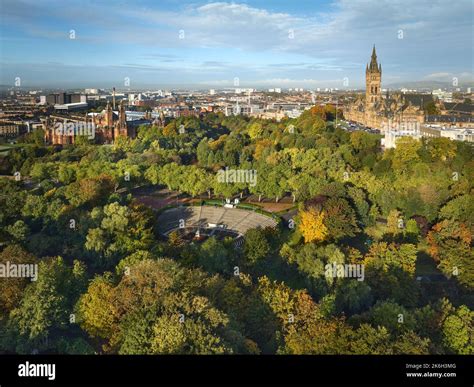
(443, 95)
(106, 127)
(16, 127)
(10, 128)
(63, 98)
(453, 133)
(390, 112)
(71, 106)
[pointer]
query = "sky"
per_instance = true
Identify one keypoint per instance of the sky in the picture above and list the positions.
(206, 44)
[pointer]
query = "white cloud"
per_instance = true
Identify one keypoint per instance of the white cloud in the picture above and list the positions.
(233, 38)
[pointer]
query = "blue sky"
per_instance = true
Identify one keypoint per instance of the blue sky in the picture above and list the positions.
(170, 43)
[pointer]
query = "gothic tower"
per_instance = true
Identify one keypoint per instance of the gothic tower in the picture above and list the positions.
(120, 128)
(109, 116)
(373, 82)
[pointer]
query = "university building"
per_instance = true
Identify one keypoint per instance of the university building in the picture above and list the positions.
(399, 111)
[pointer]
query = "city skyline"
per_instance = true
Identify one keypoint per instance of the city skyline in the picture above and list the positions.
(209, 44)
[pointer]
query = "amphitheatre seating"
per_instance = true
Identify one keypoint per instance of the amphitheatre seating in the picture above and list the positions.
(235, 219)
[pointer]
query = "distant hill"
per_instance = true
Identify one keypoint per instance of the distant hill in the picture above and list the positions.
(428, 85)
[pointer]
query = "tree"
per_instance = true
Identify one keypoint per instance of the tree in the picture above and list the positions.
(263, 147)
(157, 308)
(391, 255)
(339, 218)
(362, 207)
(90, 191)
(450, 244)
(122, 231)
(312, 225)
(11, 289)
(137, 333)
(152, 174)
(412, 231)
(213, 257)
(96, 240)
(363, 141)
(11, 201)
(48, 302)
(95, 308)
(35, 137)
(395, 222)
(202, 152)
(406, 156)
(123, 143)
(367, 340)
(74, 346)
(170, 130)
(409, 343)
(140, 255)
(41, 171)
(457, 328)
(353, 297)
(302, 186)
(192, 332)
(256, 246)
(303, 328)
(430, 108)
(255, 130)
(34, 207)
(197, 181)
(116, 218)
(441, 148)
(18, 230)
(392, 316)
(175, 239)
(459, 209)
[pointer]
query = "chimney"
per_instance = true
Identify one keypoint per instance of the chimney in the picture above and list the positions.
(113, 98)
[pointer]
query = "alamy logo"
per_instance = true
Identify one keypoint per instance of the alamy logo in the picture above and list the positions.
(19, 270)
(37, 370)
(402, 126)
(80, 128)
(336, 270)
(228, 175)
